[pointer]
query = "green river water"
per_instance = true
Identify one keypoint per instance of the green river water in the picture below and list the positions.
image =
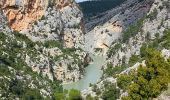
(93, 73)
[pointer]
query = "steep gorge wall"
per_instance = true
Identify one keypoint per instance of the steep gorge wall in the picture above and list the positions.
(61, 19)
(55, 26)
(113, 23)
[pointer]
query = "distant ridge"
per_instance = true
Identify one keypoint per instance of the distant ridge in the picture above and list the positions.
(93, 7)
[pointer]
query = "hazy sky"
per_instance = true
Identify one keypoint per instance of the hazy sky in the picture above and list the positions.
(81, 0)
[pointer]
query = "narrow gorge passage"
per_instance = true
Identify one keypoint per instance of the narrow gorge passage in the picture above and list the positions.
(93, 73)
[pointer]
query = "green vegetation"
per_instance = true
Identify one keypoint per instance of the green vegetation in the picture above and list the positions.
(71, 95)
(133, 30)
(74, 95)
(114, 49)
(153, 15)
(89, 97)
(148, 81)
(158, 43)
(123, 81)
(21, 37)
(112, 71)
(98, 49)
(18, 88)
(94, 7)
(165, 40)
(110, 92)
(52, 44)
(133, 59)
(12, 64)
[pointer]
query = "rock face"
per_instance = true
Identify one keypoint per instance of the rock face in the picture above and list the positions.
(112, 23)
(22, 13)
(155, 22)
(3, 23)
(150, 27)
(49, 19)
(57, 26)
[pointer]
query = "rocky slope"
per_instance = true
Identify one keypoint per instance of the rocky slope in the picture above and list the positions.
(41, 19)
(113, 22)
(156, 21)
(44, 37)
(126, 48)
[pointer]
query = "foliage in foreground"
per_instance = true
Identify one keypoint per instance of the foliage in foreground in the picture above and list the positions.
(111, 92)
(71, 95)
(148, 81)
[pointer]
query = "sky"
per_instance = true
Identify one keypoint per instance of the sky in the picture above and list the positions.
(80, 0)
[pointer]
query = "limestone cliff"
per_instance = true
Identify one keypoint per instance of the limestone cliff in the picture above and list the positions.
(55, 29)
(112, 23)
(57, 19)
(149, 31)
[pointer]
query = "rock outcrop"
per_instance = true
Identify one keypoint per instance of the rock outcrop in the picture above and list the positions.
(152, 28)
(158, 23)
(49, 19)
(55, 26)
(113, 22)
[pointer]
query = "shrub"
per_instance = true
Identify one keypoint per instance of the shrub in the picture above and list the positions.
(52, 44)
(123, 81)
(153, 15)
(133, 59)
(89, 97)
(74, 95)
(32, 94)
(111, 92)
(113, 70)
(133, 30)
(113, 49)
(148, 81)
(59, 96)
(21, 37)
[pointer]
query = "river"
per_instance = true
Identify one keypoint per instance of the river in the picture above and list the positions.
(93, 73)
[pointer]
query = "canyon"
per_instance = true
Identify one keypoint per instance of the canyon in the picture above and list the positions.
(47, 47)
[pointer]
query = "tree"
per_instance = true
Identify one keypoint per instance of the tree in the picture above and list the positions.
(89, 97)
(123, 81)
(111, 93)
(59, 96)
(32, 94)
(148, 81)
(74, 95)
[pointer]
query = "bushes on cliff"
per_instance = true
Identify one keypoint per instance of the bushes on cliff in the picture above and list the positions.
(52, 44)
(153, 15)
(123, 81)
(111, 92)
(148, 81)
(74, 95)
(21, 37)
(114, 49)
(71, 95)
(165, 40)
(133, 59)
(112, 71)
(133, 30)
